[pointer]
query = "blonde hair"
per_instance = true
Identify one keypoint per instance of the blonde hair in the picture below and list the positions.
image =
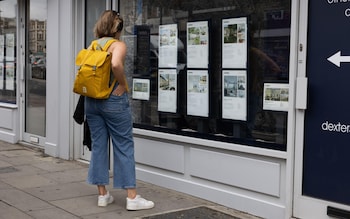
(108, 25)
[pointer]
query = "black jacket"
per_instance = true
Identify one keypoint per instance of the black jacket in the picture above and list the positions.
(79, 117)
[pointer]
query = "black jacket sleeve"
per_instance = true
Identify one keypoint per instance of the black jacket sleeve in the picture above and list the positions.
(79, 111)
(78, 116)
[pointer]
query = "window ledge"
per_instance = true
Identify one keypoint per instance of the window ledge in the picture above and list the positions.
(213, 144)
(8, 105)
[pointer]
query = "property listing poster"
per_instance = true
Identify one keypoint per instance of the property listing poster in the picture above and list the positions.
(140, 88)
(1, 76)
(276, 97)
(234, 43)
(2, 47)
(167, 90)
(197, 93)
(197, 44)
(10, 76)
(167, 46)
(10, 47)
(234, 100)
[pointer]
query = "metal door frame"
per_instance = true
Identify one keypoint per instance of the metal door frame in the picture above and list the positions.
(23, 10)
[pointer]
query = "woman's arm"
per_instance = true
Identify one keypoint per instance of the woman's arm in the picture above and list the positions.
(118, 50)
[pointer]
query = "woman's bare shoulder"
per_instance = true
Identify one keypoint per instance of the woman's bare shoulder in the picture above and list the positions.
(117, 45)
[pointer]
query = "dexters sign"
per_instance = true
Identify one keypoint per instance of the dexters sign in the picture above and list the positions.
(347, 8)
(327, 117)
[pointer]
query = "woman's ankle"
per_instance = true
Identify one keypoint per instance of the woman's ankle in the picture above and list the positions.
(102, 190)
(131, 193)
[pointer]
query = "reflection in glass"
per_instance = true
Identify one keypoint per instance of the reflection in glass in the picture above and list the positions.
(35, 101)
(93, 10)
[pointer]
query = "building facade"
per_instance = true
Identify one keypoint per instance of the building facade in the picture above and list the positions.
(237, 102)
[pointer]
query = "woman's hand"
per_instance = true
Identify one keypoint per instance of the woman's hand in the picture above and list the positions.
(119, 90)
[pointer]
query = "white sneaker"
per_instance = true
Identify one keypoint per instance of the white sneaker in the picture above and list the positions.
(104, 200)
(138, 203)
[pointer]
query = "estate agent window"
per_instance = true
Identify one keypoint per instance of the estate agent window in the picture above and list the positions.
(216, 70)
(8, 27)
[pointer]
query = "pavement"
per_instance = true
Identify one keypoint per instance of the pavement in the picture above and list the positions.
(34, 185)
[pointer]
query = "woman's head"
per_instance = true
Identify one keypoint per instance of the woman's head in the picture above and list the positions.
(110, 24)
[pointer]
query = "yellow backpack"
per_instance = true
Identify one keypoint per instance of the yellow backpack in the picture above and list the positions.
(94, 76)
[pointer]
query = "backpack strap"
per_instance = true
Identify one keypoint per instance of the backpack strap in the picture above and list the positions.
(102, 43)
(105, 42)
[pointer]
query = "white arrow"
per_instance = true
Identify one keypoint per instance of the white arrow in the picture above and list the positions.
(336, 59)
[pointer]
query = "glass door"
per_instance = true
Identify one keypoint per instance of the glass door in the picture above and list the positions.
(35, 72)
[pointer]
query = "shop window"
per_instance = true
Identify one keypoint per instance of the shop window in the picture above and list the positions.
(93, 10)
(216, 70)
(8, 27)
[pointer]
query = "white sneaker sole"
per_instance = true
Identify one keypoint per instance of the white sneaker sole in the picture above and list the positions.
(104, 204)
(136, 208)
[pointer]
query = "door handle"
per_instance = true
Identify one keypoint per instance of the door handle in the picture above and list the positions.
(301, 93)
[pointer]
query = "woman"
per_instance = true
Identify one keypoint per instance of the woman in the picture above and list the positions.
(112, 118)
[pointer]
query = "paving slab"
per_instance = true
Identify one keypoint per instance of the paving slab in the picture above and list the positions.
(4, 185)
(7, 146)
(22, 201)
(56, 165)
(62, 191)
(29, 181)
(4, 164)
(109, 215)
(67, 176)
(23, 160)
(8, 211)
(52, 213)
(120, 214)
(19, 153)
(24, 170)
(84, 205)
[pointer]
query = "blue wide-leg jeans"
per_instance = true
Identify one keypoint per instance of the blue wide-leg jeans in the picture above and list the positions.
(111, 118)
